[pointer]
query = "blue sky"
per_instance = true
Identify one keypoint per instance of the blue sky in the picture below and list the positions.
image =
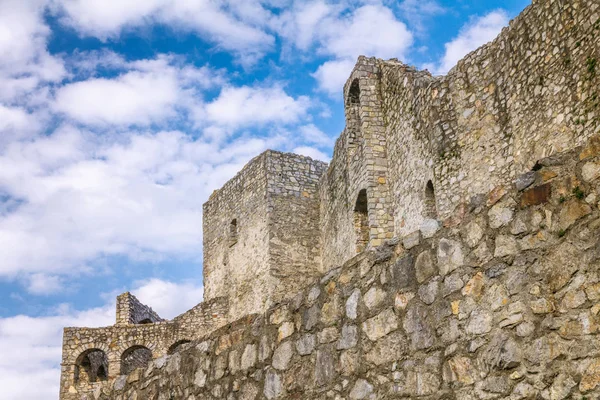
(119, 117)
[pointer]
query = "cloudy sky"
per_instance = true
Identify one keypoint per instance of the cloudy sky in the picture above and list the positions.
(119, 117)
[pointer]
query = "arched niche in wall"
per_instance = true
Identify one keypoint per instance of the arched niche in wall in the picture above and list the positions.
(429, 207)
(91, 366)
(135, 357)
(233, 232)
(353, 122)
(361, 221)
(145, 321)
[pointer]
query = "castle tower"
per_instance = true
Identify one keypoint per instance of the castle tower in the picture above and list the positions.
(261, 232)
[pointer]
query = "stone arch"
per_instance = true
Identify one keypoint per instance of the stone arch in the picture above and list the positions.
(134, 357)
(177, 345)
(361, 220)
(145, 321)
(91, 366)
(430, 208)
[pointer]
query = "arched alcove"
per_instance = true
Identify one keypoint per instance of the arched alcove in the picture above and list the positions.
(354, 93)
(177, 345)
(91, 366)
(233, 232)
(135, 357)
(430, 208)
(145, 321)
(361, 221)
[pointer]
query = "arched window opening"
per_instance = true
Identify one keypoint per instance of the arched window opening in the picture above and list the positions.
(354, 93)
(361, 221)
(145, 321)
(91, 366)
(430, 207)
(233, 232)
(175, 347)
(135, 357)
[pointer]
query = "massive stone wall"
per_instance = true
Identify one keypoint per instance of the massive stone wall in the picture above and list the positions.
(274, 244)
(236, 240)
(503, 301)
(530, 93)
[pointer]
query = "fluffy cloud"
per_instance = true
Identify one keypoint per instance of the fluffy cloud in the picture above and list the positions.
(242, 106)
(31, 346)
(344, 34)
(77, 196)
(474, 34)
(312, 153)
(230, 25)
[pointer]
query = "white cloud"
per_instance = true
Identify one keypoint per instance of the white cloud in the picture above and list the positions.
(312, 134)
(371, 30)
(239, 31)
(332, 75)
(42, 284)
(242, 106)
(80, 196)
(472, 35)
(312, 153)
(168, 299)
(134, 98)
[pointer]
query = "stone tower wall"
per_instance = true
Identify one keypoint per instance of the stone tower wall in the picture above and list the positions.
(293, 220)
(238, 266)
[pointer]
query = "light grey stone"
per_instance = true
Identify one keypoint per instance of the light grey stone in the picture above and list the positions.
(380, 325)
(505, 246)
(248, 357)
(349, 337)
(428, 228)
(374, 297)
(424, 266)
(450, 256)
(352, 304)
(525, 180)
(500, 215)
(361, 390)
(411, 240)
(273, 387)
(306, 344)
(282, 356)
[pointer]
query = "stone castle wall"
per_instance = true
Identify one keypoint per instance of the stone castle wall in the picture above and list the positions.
(530, 93)
(503, 302)
(237, 262)
(491, 290)
(158, 337)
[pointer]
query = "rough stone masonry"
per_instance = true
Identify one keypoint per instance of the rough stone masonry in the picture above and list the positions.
(451, 249)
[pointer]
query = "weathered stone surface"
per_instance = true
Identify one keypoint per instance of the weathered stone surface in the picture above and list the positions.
(306, 344)
(429, 227)
(418, 326)
(525, 180)
(352, 304)
(590, 172)
(424, 266)
(349, 337)
(374, 297)
(450, 256)
(361, 390)
(273, 387)
(500, 215)
(572, 212)
(248, 357)
(324, 367)
(412, 240)
(380, 325)
(537, 195)
(591, 378)
(473, 234)
(505, 246)
(282, 356)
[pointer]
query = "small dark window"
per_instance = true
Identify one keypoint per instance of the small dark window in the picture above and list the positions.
(354, 93)
(145, 321)
(233, 232)
(430, 209)
(91, 366)
(361, 221)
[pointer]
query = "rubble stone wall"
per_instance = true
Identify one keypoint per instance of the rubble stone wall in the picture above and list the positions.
(503, 301)
(530, 93)
(131, 311)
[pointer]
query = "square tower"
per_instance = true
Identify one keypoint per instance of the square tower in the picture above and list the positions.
(261, 232)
